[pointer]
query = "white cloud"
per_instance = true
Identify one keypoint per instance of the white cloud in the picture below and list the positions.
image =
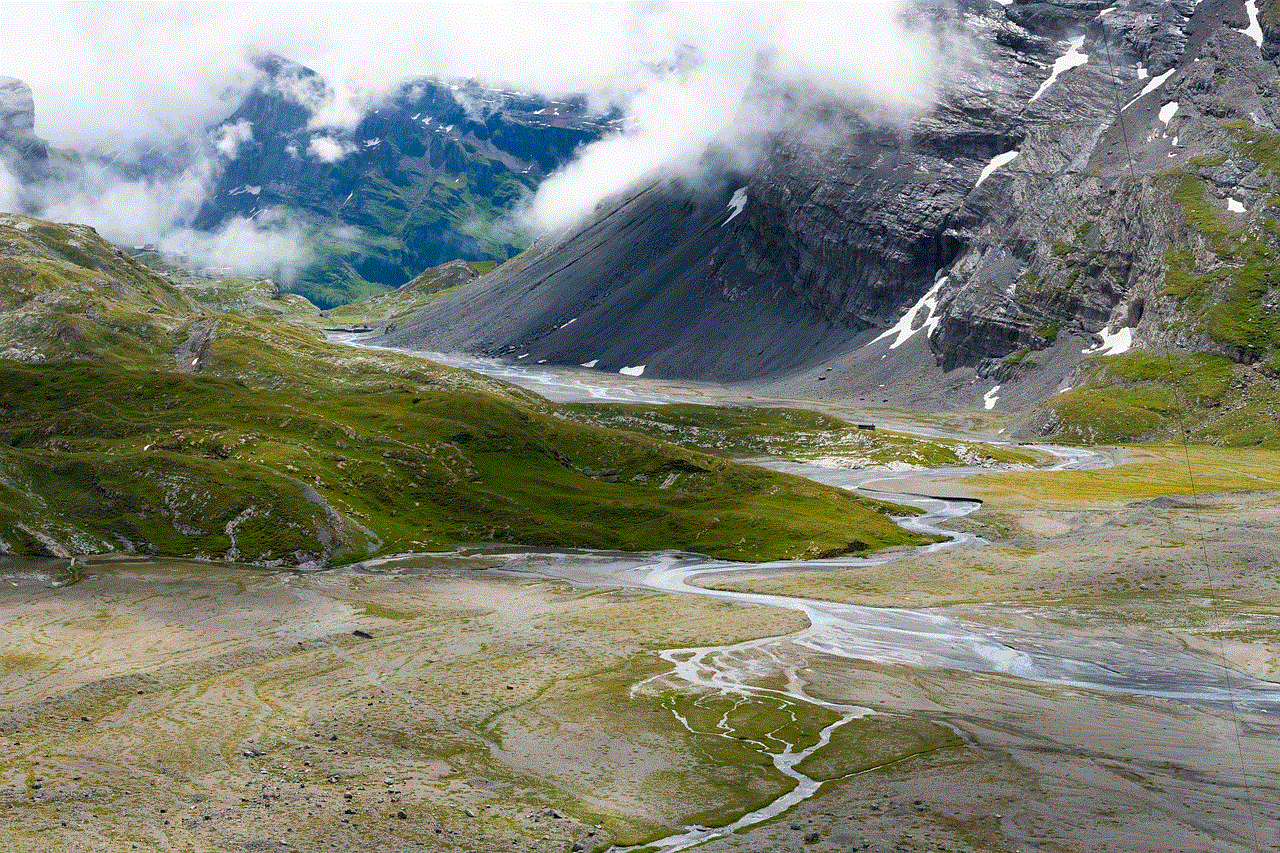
(689, 76)
(326, 149)
(756, 70)
(10, 192)
(243, 245)
(228, 137)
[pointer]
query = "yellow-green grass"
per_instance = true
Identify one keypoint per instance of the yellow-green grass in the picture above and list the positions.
(788, 432)
(1148, 471)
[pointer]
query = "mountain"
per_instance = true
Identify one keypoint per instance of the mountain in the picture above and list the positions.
(431, 175)
(1095, 185)
(137, 417)
(22, 153)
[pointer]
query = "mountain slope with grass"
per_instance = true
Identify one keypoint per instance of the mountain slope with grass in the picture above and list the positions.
(148, 424)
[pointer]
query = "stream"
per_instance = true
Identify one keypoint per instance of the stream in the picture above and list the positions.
(925, 638)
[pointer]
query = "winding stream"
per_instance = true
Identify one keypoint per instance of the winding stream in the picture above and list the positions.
(920, 638)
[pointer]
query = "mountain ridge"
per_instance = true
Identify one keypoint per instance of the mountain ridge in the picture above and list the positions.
(1025, 223)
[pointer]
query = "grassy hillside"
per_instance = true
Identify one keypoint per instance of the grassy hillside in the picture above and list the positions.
(66, 293)
(228, 437)
(423, 289)
(792, 433)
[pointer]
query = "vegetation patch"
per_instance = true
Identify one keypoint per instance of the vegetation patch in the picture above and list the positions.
(875, 741)
(266, 444)
(792, 433)
(1154, 471)
(1145, 395)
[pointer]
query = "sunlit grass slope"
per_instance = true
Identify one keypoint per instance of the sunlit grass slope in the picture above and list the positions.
(229, 437)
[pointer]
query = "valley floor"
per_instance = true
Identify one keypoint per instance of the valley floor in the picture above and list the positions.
(470, 702)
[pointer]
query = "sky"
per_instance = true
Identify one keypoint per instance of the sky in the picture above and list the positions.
(108, 75)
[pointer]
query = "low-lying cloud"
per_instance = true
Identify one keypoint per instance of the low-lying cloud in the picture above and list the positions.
(689, 77)
(752, 72)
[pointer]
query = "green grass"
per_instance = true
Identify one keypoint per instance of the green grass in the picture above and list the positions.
(876, 741)
(281, 448)
(1152, 471)
(793, 433)
(165, 462)
(1146, 395)
(412, 296)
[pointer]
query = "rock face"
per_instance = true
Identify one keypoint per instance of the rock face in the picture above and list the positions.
(21, 151)
(1085, 153)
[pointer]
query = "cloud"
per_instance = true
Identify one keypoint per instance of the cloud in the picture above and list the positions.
(327, 149)
(739, 76)
(689, 77)
(159, 210)
(228, 137)
(247, 246)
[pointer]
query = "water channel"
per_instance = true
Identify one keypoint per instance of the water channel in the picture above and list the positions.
(922, 638)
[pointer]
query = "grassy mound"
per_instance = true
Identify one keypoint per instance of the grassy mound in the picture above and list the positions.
(794, 433)
(1141, 396)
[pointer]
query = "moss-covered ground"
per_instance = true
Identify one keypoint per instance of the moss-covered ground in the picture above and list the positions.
(1144, 395)
(389, 308)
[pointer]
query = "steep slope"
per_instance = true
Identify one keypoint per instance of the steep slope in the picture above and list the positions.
(1095, 174)
(144, 423)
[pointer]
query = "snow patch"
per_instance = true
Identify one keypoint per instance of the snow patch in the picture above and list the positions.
(565, 323)
(1113, 343)
(1167, 111)
(1255, 28)
(526, 355)
(1155, 83)
(1234, 206)
(638, 370)
(903, 328)
(1073, 58)
(737, 203)
(996, 162)
(990, 398)
(592, 363)
(251, 190)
